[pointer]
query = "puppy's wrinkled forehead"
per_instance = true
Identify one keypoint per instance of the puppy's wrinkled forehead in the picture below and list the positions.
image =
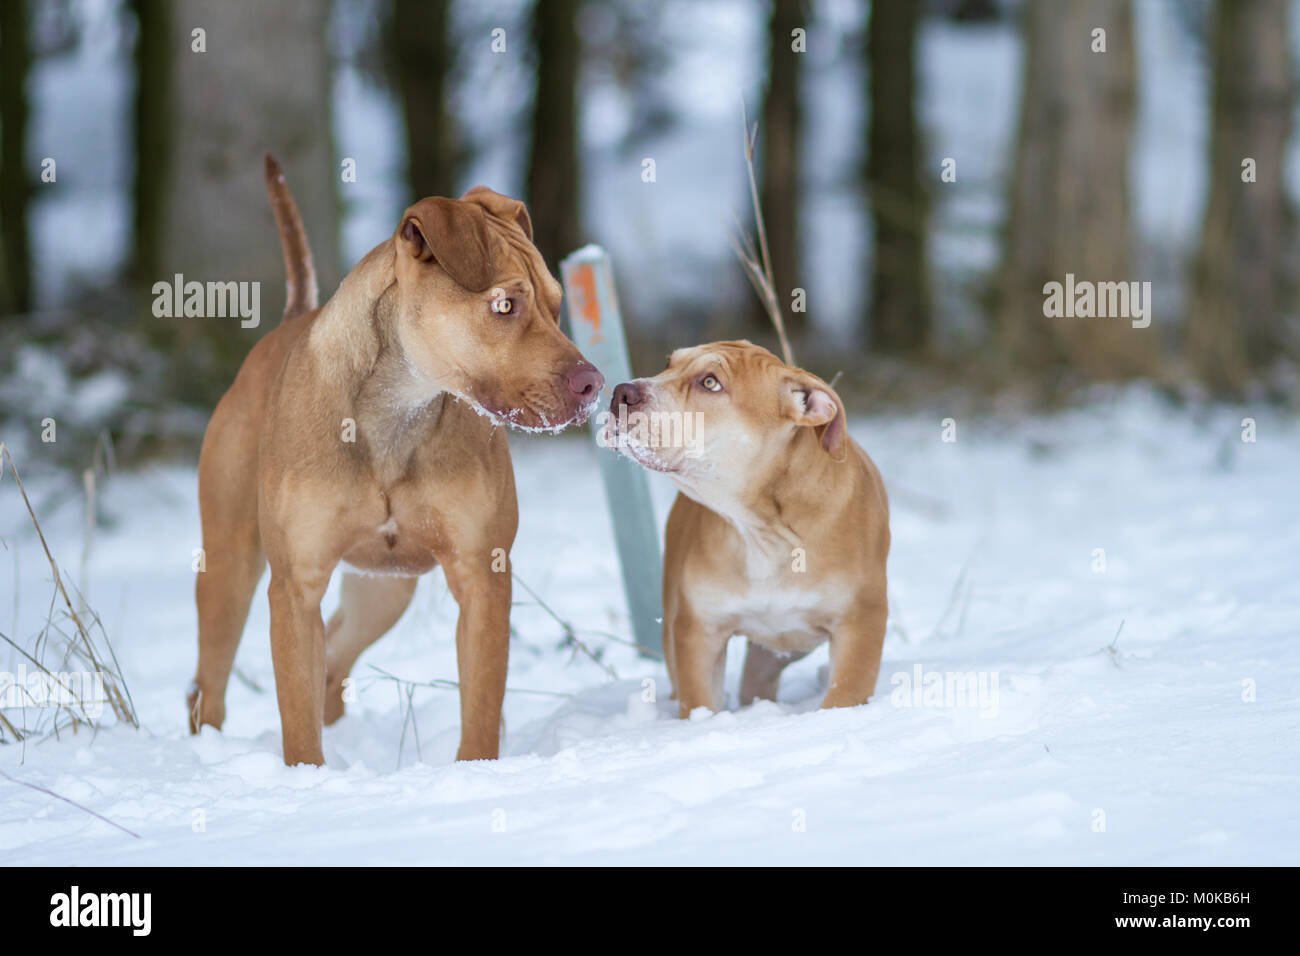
(738, 359)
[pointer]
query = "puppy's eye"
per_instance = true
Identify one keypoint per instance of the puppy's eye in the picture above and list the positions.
(711, 383)
(503, 306)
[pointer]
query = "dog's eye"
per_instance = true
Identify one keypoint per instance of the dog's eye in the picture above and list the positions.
(503, 306)
(711, 383)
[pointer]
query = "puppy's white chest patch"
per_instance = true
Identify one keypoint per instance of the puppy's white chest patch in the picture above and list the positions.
(782, 618)
(388, 527)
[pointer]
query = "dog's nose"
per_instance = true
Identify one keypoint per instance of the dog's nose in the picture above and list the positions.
(626, 394)
(585, 382)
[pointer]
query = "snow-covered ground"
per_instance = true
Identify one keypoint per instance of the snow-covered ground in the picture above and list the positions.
(1175, 744)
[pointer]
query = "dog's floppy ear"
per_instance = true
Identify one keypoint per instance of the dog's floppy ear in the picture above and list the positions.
(503, 207)
(809, 401)
(455, 235)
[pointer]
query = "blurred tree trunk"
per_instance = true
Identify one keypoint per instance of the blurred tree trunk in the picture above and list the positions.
(1233, 321)
(15, 178)
(422, 61)
(262, 84)
(900, 298)
(1069, 201)
(153, 57)
(553, 173)
(780, 136)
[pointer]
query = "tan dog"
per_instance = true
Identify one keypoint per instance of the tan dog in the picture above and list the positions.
(781, 530)
(367, 433)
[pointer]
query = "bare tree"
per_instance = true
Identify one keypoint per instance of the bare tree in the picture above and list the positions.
(900, 298)
(422, 60)
(553, 169)
(15, 178)
(1069, 192)
(781, 156)
(152, 60)
(1233, 320)
(226, 107)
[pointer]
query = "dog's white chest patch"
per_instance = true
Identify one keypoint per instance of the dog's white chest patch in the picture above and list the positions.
(388, 527)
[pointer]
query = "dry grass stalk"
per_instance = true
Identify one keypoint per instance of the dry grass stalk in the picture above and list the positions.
(406, 702)
(76, 637)
(59, 796)
(757, 261)
(570, 632)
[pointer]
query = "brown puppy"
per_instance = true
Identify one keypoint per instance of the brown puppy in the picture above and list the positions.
(781, 530)
(367, 433)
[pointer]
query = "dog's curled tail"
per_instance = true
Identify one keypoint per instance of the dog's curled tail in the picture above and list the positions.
(300, 274)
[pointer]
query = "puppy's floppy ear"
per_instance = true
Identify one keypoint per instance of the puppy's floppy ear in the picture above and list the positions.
(503, 207)
(808, 401)
(453, 234)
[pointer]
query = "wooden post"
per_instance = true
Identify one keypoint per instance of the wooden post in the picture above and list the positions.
(596, 326)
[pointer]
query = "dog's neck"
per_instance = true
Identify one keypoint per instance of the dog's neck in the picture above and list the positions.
(344, 337)
(395, 406)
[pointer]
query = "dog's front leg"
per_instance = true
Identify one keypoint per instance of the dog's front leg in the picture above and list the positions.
(482, 653)
(298, 653)
(856, 644)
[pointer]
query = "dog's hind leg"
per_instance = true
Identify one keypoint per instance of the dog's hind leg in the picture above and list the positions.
(224, 592)
(232, 563)
(369, 606)
(762, 674)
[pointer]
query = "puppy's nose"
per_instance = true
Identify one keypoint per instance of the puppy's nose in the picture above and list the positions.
(626, 394)
(585, 382)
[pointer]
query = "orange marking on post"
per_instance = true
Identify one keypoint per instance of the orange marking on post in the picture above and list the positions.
(586, 304)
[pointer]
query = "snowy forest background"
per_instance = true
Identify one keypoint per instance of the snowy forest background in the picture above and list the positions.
(1121, 165)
